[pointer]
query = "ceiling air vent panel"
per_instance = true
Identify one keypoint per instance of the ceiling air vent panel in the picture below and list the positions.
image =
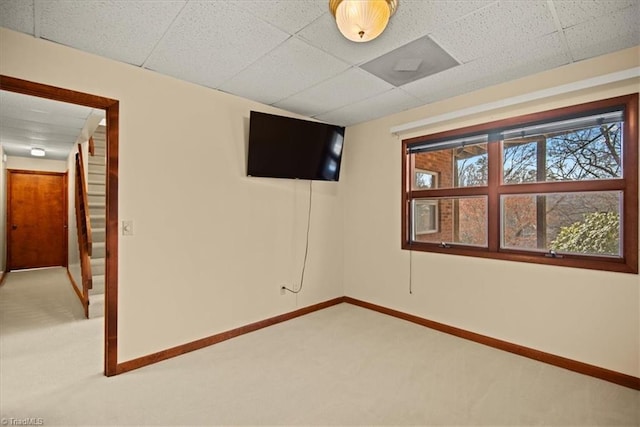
(413, 61)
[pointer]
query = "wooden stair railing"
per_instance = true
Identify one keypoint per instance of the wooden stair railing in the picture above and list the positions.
(83, 225)
(92, 147)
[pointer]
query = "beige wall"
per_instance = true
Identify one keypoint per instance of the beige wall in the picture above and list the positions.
(36, 164)
(3, 208)
(211, 246)
(590, 316)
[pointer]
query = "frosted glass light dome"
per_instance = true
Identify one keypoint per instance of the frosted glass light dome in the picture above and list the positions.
(362, 20)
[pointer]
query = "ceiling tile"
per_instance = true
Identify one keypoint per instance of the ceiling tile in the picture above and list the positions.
(324, 34)
(601, 35)
(245, 47)
(212, 41)
(572, 12)
(542, 54)
(24, 107)
(494, 28)
(381, 105)
(347, 88)
(413, 19)
(38, 127)
(290, 16)
(17, 15)
(122, 30)
(413, 61)
(417, 18)
(288, 69)
(28, 121)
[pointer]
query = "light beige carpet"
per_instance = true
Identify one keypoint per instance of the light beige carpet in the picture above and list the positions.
(341, 366)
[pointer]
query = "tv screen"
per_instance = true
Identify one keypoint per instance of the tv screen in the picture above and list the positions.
(283, 147)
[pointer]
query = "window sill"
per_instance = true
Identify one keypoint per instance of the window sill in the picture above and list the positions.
(619, 265)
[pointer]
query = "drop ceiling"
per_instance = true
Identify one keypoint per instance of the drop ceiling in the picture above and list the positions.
(28, 122)
(289, 53)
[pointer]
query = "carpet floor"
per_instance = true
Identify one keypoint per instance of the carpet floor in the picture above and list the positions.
(344, 365)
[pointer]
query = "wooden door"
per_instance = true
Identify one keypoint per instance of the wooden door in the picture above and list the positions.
(36, 219)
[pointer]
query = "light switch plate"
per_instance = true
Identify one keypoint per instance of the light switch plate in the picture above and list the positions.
(127, 228)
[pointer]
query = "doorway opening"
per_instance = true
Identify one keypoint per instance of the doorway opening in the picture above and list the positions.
(111, 107)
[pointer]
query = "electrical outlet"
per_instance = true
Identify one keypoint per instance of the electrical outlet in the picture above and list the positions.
(282, 290)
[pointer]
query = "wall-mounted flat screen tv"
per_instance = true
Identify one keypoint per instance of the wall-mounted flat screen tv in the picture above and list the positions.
(283, 147)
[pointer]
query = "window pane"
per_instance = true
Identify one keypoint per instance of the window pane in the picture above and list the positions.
(461, 220)
(579, 223)
(587, 153)
(424, 179)
(454, 167)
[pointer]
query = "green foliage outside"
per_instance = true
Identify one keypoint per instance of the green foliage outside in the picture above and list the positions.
(598, 233)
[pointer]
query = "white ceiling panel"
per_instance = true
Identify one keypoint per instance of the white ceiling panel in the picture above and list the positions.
(605, 34)
(126, 31)
(290, 16)
(289, 53)
(572, 12)
(347, 88)
(543, 54)
(494, 28)
(210, 42)
(417, 18)
(412, 20)
(18, 149)
(21, 106)
(17, 15)
(324, 34)
(381, 105)
(288, 69)
(28, 121)
(37, 130)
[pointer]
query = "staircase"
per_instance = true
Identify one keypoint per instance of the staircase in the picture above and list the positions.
(96, 195)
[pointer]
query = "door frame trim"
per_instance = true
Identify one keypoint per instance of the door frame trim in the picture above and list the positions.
(65, 211)
(111, 107)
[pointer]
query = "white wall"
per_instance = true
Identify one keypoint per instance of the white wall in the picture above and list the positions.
(3, 208)
(36, 164)
(211, 246)
(590, 316)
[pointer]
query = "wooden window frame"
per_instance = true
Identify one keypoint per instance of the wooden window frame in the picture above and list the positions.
(627, 184)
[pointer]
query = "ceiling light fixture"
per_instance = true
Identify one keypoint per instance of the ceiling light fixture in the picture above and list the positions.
(38, 152)
(362, 20)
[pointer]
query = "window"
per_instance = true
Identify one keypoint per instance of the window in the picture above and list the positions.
(423, 179)
(558, 187)
(425, 215)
